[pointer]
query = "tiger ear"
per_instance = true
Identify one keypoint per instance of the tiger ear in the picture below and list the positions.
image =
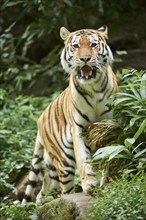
(104, 31)
(64, 33)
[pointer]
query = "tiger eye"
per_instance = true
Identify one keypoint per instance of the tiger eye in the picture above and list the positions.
(93, 45)
(75, 45)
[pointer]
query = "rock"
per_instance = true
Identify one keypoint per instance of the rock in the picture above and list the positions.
(68, 207)
(81, 200)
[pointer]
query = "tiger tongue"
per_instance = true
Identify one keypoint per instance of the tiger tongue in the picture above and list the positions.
(86, 70)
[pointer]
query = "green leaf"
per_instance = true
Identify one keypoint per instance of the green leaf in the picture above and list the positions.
(109, 151)
(68, 2)
(140, 130)
(129, 142)
(140, 153)
(116, 154)
(121, 100)
(135, 92)
(143, 86)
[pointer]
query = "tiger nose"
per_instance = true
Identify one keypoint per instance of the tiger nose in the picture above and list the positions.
(85, 59)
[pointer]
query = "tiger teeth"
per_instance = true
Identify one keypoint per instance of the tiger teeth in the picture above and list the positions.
(82, 74)
(86, 76)
(90, 74)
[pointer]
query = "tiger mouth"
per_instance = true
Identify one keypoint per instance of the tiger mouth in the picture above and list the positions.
(86, 72)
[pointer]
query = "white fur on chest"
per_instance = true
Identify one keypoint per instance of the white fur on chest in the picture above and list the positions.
(90, 104)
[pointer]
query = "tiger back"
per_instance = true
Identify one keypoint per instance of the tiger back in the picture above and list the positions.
(87, 59)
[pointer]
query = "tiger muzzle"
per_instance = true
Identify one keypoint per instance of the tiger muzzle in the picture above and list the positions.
(86, 72)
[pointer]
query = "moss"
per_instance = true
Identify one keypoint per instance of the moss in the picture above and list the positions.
(59, 209)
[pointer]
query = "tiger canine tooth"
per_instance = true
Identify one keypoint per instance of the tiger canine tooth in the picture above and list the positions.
(90, 74)
(82, 73)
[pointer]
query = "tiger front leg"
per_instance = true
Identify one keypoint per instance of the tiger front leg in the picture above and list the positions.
(82, 155)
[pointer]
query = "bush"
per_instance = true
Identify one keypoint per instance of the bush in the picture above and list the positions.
(18, 130)
(17, 211)
(122, 199)
(121, 142)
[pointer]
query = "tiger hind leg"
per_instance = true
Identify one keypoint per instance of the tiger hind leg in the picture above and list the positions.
(50, 183)
(34, 172)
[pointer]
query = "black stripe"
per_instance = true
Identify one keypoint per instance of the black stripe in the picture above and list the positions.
(54, 178)
(79, 125)
(83, 115)
(63, 115)
(106, 111)
(104, 83)
(38, 160)
(67, 147)
(88, 147)
(67, 164)
(104, 95)
(54, 149)
(82, 93)
(87, 152)
(110, 93)
(100, 100)
(107, 50)
(32, 183)
(36, 156)
(27, 198)
(69, 59)
(65, 182)
(56, 118)
(51, 167)
(102, 48)
(91, 174)
(49, 115)
(69, 142)
(69, 172)
(64, 53)
(67, 155)
(36, 171)
(69, 190)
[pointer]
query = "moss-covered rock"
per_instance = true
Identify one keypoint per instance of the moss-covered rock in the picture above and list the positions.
(59, 209)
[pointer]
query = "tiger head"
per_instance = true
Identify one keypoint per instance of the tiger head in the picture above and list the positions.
(86, 52)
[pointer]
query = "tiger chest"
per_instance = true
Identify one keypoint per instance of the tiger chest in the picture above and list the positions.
(91, 109)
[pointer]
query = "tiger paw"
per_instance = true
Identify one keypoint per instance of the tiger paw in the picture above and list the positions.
(89, 185)
(88, 178)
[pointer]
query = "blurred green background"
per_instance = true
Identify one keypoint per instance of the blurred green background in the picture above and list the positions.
(30, 44)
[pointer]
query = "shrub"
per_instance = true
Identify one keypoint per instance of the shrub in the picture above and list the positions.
(17, 211)
(122, 199)
(18, 130)
(122, 141)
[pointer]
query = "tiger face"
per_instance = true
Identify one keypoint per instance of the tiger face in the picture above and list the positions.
(86, 53)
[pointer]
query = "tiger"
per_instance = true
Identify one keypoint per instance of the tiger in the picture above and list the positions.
(60, 145)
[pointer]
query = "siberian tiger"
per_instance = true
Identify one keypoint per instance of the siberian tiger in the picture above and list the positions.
(87, 59)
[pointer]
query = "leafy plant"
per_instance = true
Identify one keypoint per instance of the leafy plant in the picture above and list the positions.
(122, 199)
(122, 142)
(18, 130)
(30, 44)
(17, 211)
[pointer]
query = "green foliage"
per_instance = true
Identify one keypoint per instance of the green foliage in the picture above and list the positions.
(122, 199)
(18, 130)
(30, 44)
(126, 149)
(17, 211)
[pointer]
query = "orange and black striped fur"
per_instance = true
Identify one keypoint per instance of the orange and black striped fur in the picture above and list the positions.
(87, 58)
